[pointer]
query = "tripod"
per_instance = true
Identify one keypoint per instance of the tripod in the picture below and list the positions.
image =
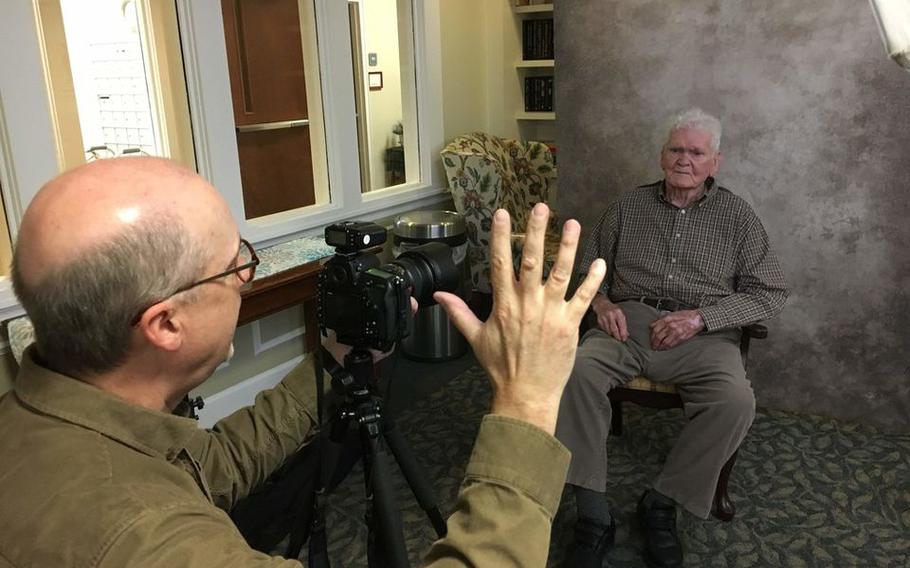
(378, 435)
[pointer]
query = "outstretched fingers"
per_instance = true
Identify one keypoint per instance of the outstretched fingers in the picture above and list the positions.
(533, 248)
(502, 275)
(561, 272)
(585, 293)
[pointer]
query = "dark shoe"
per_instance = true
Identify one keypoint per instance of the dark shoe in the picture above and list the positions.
(658, 519)
(592, 540)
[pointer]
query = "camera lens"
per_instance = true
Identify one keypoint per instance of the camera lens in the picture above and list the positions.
(426, 269)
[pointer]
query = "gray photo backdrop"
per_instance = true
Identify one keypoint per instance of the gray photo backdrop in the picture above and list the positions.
(817, 139)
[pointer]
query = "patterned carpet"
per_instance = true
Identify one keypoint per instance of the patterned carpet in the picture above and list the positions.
(809, 491)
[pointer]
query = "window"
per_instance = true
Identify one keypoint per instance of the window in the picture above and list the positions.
(329, 48)
(185, 109)
(6, 250)
(115, 79)
(382, 40)
(274, 76)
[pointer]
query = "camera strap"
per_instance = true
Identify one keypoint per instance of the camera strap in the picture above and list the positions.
(320, 383)
(318, 544)
(318, 541)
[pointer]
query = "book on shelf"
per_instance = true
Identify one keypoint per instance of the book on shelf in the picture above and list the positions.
(538, 94)
(537, 39)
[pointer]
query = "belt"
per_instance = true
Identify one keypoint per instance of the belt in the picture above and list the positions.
(666, 304)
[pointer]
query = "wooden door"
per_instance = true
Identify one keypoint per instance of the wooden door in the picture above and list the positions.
(265, 60)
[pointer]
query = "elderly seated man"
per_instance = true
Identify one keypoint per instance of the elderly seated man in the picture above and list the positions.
(688, 264)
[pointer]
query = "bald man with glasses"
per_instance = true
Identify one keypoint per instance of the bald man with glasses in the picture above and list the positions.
(131, 271)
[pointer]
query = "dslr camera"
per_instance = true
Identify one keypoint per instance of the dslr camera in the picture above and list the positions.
(369, 304)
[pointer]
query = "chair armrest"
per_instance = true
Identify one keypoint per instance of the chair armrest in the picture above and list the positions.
(756, 330)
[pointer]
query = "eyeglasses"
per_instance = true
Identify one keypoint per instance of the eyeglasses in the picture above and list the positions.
(247, 261)
(245, 269)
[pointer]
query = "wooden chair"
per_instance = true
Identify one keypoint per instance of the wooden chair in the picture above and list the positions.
(644, 392)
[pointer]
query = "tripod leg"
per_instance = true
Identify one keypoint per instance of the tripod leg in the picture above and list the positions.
(318, 553)
(331, 449)
(385, 514)
(413, 473)
(346, 457)
(310, 518)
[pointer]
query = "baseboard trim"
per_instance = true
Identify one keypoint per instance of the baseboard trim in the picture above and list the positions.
(243, 393)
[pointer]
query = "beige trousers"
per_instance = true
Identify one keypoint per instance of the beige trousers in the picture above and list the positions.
(708, 372)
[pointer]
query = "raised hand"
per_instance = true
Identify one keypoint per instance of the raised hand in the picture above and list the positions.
(528, 344)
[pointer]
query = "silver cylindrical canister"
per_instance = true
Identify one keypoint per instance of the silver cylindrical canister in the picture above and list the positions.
(433, 336)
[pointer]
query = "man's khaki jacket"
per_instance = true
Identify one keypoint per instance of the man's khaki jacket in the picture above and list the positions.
(88, 480)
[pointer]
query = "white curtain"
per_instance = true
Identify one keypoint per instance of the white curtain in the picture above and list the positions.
(893, 18)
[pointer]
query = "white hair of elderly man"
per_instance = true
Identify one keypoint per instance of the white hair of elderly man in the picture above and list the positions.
(700, 120)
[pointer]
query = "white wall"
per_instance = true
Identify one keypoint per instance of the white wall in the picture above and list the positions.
(464, 68)
(481, 89)
(384, 109)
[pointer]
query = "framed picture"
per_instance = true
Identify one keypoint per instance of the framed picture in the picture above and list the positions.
(374, 78)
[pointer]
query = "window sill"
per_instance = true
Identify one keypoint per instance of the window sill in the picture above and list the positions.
(9, 309)
(9, 305)
(374, 205)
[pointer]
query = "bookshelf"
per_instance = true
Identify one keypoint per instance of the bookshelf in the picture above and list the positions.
(535, 68)
(533, 9)
(539, 115)
(535, 63)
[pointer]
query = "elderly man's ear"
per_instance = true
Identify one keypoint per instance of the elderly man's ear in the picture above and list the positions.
(162, 326)
(718, 158)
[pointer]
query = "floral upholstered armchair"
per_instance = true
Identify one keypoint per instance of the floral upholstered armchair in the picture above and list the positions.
(486, 173)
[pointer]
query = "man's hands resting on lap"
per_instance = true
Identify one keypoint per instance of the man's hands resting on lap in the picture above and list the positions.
(675, 328)
(610, 318)
(528, 344)
(666, 332)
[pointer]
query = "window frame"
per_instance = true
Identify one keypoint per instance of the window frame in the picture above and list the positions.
(208, 86)
(29, 154)
(24, 117)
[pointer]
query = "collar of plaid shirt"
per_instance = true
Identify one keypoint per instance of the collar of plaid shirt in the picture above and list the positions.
(709, 192)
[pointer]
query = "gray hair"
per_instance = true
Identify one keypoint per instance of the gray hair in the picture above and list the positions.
(82, 311)
(700, 120)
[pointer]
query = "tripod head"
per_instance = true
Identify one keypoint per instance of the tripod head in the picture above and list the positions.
(359, 363)
(355, 374)
(355, 387)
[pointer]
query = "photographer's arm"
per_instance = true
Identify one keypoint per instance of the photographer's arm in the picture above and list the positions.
(516, 474)
(243, 449)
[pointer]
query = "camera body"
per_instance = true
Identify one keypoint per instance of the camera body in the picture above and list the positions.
(368, 304)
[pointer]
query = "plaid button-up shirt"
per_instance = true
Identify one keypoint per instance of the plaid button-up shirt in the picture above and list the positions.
(713, 255)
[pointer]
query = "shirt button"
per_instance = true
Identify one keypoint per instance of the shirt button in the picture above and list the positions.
(678, 235)
(673, 260)
(670, 276)
(682, 211)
